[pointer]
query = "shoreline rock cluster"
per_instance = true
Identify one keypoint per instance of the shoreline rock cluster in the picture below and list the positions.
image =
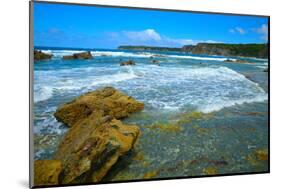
(39, 55)
(79, 56)
(221, 49)
(95, 140)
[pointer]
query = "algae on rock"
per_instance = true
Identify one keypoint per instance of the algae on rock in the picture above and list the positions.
(46, 172)
(96, 139)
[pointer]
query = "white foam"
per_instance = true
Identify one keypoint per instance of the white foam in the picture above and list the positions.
(61, 53)
(121, 76)
(76, 79)
(205, 89)
(223, 104)
(148, 55)
(164, 88)
(122, 54)
(201, 58)
(42, 93)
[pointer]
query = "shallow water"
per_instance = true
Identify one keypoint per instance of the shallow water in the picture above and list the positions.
(229, 99)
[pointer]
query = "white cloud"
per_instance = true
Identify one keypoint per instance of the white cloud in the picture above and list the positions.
(150, 37)
(145, 35)
(238, 30)
(263, 31)
(232, 30)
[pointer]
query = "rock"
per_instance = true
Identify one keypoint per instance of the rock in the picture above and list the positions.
(223, 49)
(108, 101)
(261, 155)
(96, 138)
(46, 172)
(39, 55)
(151, 174)
(82, 55)
(92, 146)
(156, 62)
(210, 171)
(127, 63)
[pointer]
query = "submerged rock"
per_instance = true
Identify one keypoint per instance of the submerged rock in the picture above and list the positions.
(107, 101)
(46, 172)
(127, 63)
(83, 55)
(39, 55)
(157, 62)
(96, 138)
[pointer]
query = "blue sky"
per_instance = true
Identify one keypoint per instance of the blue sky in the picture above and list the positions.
(58, 25)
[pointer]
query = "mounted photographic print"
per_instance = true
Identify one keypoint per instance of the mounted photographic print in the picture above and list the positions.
(121, 94)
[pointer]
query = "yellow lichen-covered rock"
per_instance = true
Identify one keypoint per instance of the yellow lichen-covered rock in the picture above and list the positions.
(46, 172)
(108, 101)
(92, 146)
(210, 171)
(261, 155)
(150, 175)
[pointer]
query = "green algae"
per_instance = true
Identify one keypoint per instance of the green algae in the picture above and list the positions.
(166, 127)
(189, 117)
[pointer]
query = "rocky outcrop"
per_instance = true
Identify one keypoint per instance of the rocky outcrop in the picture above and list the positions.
(156, 62)
(127, 63)
(39, 55)
(92, 146)
(108, 101)
(246, 50)
(96, 139)
(82, 55)
(46, 172)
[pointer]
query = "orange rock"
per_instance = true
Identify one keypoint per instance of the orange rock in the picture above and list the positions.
(108, 101)
(46, 172)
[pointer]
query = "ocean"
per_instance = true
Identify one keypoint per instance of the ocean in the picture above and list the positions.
(229, 102)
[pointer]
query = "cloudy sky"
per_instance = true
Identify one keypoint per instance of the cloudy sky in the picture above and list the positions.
(57, 25)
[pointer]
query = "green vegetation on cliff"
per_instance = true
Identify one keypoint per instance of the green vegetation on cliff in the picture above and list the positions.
(246, 50)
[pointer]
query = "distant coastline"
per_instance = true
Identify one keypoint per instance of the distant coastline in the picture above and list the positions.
(243, 50)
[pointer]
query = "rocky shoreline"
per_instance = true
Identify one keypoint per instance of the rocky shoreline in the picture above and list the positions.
(95, 140)
(220, 49)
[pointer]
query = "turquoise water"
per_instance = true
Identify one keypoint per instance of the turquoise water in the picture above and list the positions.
(235, 96)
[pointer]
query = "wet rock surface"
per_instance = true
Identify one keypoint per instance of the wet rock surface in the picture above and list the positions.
(127, 63)
(107, 101)
(46, 172)
(95, 140)
(39, 55)
(83, 55)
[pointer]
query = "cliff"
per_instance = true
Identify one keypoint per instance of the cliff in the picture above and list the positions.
(247, 50)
